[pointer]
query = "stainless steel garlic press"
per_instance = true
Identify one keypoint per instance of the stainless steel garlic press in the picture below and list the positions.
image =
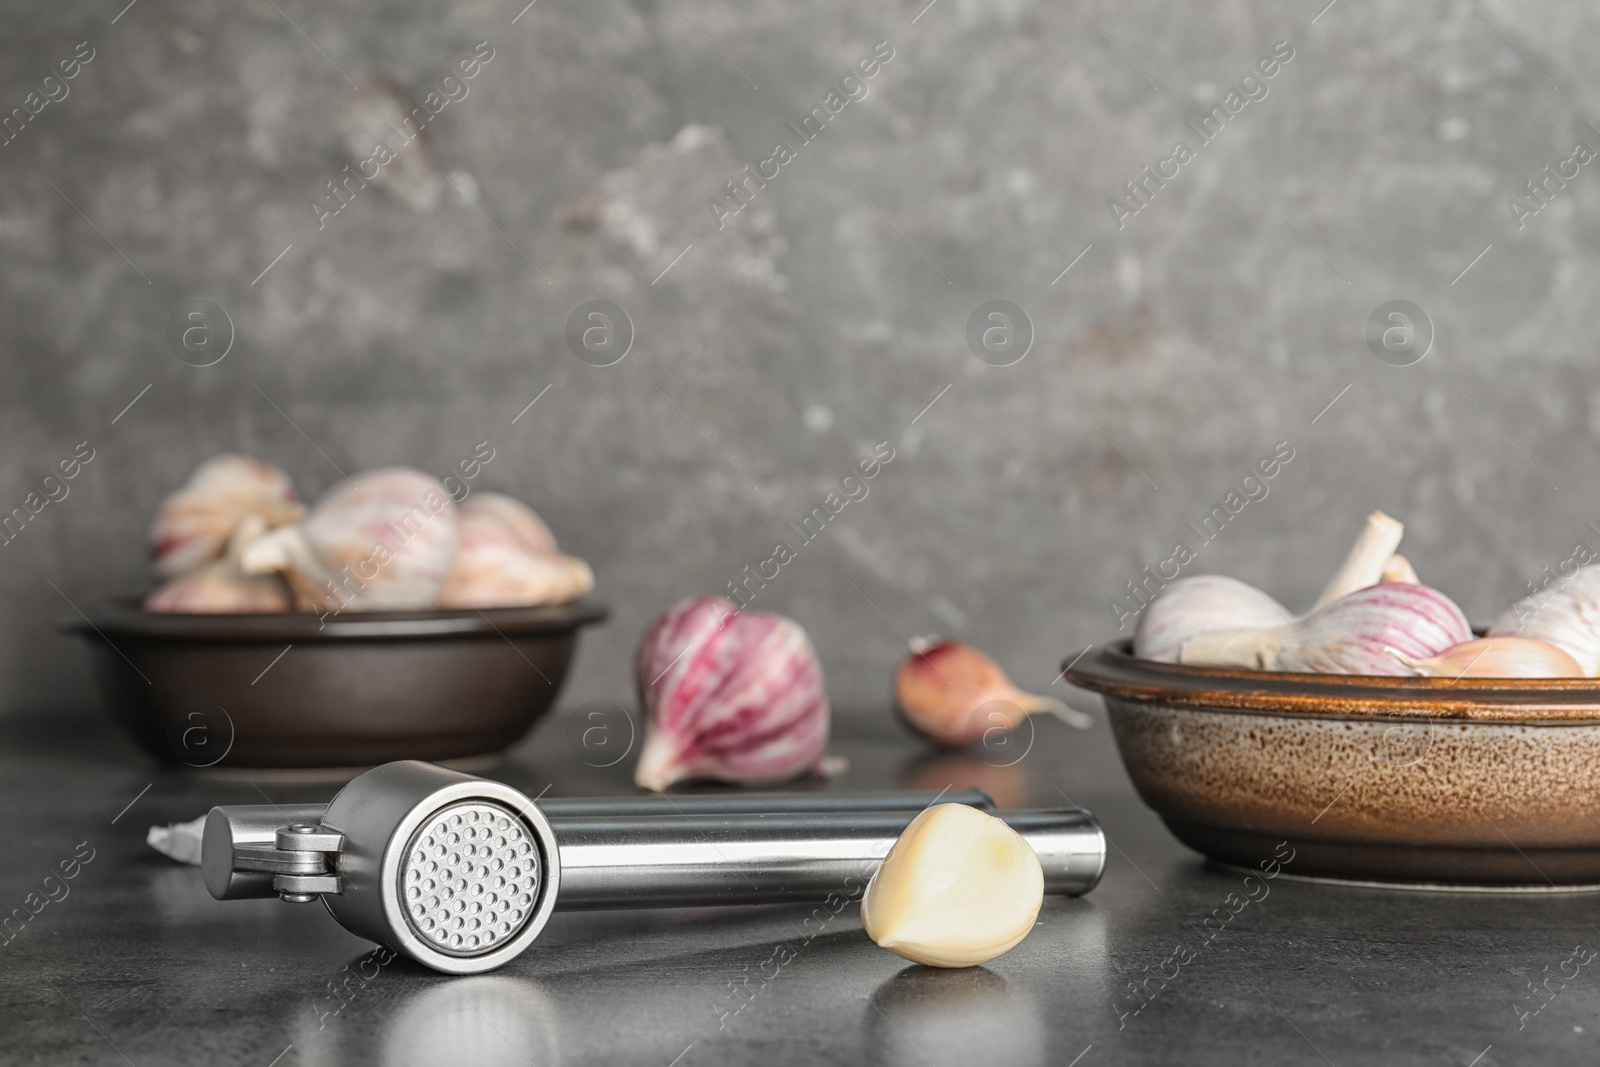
(461, 874)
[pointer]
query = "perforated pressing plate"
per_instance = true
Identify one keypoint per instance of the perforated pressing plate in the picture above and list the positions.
(470, 878)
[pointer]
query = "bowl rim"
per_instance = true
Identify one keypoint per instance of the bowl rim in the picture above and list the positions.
(126, 617)
(1114, 671)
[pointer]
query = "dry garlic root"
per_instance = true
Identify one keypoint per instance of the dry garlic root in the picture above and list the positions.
(958, 888)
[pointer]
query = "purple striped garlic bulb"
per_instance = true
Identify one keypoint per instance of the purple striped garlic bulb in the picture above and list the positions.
(1371, 631)
(1191, 606)
(730, 695)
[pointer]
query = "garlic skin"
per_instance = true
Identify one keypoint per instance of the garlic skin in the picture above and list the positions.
(1498, 657)
(1565, 615)
(507, 557)
(383, 541)
(1368, 557)
(222, 587)
(1372, 631)
(734, 696)
(1191, 606)
(193, 525)
(958, 888)
(953, 695)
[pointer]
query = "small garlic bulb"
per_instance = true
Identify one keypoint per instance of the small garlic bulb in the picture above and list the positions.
(222, 587)
(1191, 606)
(958, 888)
(1498, 657)
(383, 541)
(507, 557)
(734, 696)
(194, 524)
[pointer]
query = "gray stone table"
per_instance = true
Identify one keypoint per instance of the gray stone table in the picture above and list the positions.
(136, 963)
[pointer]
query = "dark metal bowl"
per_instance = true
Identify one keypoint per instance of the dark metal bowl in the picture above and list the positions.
(1478, 782)
(300, 690)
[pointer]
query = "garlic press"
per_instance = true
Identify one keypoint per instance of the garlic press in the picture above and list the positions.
(461, 873)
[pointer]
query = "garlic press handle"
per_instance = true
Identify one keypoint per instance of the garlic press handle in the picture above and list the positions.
(675, 861)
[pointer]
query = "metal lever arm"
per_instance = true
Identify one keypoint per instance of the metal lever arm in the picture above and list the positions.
(658, 861)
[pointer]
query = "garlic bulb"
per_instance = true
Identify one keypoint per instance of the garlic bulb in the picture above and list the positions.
(194, 524)
(953, 694)
(730, 695)
(958, 888)
(1371, 631)
(385, 540)
(1498, 657)
(222, 587)
(506, 557)
(1191, 606)
(1399, 569)
(1368, 557)
(1565, 613)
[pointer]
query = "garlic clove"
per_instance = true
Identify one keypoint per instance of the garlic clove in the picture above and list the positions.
(222, 587)
(384, 540)
(507, 557)
(1565, 612)
(1399, 569)
(958, 888)
(954, 695)
(1371, 631)
(194, 523)
(1498, 657)
(734, 696)
(1365, 564)
(1190, 606)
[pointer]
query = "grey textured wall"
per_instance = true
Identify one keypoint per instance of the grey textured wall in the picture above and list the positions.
(790, 338)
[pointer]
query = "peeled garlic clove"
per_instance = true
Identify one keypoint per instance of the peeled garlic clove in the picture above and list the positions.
(1371, 631)
(193, 525)
(385, 540)
(953, 694)
(1498, 657)
(1191, 606)
(222, 587)
(958, 888)
(1399, 569)
(1366, 561)
(506, 557)
(730, 695)
(1564, 613)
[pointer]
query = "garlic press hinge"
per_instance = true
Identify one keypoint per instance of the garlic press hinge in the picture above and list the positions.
(302, 861)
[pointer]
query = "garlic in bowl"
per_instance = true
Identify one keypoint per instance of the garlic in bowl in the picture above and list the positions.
(1435, 780)
(1375, 734)
(387, 621)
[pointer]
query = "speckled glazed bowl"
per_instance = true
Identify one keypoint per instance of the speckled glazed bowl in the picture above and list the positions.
(1478, 782)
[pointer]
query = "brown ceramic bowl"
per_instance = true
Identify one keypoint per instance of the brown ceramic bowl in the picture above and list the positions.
(294, 690)
(1479, 782)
